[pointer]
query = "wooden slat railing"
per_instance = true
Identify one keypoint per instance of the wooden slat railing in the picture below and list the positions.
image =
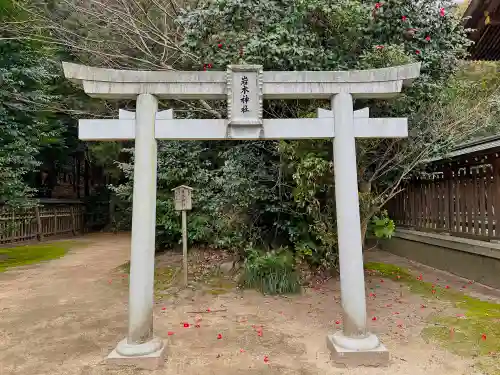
(52, 217)
(465, 203)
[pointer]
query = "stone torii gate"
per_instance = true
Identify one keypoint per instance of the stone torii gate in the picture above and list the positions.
(244, 87)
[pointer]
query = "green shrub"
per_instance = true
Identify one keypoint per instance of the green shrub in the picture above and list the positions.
(271, 273)
(381, 225)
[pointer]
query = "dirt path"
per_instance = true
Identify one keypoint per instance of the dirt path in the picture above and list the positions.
(66, 315)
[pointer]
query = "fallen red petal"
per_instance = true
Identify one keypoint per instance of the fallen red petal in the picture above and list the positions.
(170, 333)
(163, 308)
(242, 350)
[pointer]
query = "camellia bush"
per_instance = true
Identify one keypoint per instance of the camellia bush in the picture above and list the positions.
(267, 194)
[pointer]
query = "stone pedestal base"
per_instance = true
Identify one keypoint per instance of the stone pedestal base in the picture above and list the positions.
(147, 361)
(378, 356)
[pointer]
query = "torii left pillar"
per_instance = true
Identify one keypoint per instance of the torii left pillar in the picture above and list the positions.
(141, 348)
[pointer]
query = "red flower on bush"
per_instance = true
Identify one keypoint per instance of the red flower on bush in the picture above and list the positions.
(379, 47)
(219, 45)
(418, 53)
(404, 18)
(428, 38)
(378, 5)
(441, 12)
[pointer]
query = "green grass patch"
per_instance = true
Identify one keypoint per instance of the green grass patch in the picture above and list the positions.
(270, 272)
(30, 254)
(462, 335)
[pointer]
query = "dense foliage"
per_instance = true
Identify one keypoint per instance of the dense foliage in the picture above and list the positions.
(272, 195)
(26, 76)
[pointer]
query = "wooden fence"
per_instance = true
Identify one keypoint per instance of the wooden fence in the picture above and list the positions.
(463, 202)
(53, 217)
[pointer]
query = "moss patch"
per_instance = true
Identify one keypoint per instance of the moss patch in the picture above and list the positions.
(462, 335)
(30, 254)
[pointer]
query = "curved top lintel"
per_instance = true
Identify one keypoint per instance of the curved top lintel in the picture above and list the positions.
(79, 73)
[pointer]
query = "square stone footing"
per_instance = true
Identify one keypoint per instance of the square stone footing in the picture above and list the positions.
(151, 361)
(352, 358)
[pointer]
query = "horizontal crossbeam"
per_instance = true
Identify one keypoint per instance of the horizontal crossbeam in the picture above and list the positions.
(272, 129)
(112, 83)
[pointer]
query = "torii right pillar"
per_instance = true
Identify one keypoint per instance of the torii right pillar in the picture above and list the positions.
(354, 345)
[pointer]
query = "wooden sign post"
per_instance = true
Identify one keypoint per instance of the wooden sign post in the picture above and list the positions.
(182, 198)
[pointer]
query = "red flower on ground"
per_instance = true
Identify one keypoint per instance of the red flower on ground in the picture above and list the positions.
(381, 280)
(388, 305)
(163, 308)
(186, 325)
(404, 18)
(399, 277)
(337, 322)
(483, 337)
(242, 350)
(266, 359)
(441, 12)
(447, 287)
(433, 291)
(428, 38)
(219, 336)
(374, 318)
(423, 306)
(208, 310)
(170, 333)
